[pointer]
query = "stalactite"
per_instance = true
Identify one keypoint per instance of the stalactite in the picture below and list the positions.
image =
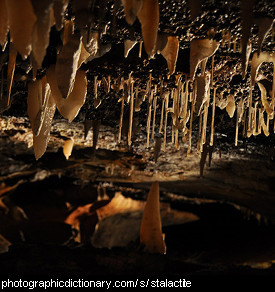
(68, 147)
(212, 72)
(213, 117)
(201, 49)
(244, 122)
(191, 118)
(154, 115)
(263, 124)
(254, 130)
(204, 127)
(97, 101)
(131, 115)
(128, 45)
(140, 49)
(163, 100)
(165, 121)
(186, 95)
(249, 121)
(239, 116)
(148, 124)
(10, 74)
(230, 108)
(234, 41)
(259, 129)
(120, 120)
(265, 103)
(199, 132)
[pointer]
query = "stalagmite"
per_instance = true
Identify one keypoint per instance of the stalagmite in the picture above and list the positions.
(4, 24)
(151, 230)
(128, 45)
(41, 29)
(213, 117)
(157, 148)
(201, 49)
(148, 16)
(11, 68)
(69, 107)
(40, 141)
(21, 22)
(230, 108)
(68, 148)
(87, 126)
(96, 126)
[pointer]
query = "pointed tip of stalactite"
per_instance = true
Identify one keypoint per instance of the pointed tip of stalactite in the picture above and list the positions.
(128, 46)
(245, 58)
(201, 49)
(148, 16)
(131, 9)
(68, 148)
(168, 47)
